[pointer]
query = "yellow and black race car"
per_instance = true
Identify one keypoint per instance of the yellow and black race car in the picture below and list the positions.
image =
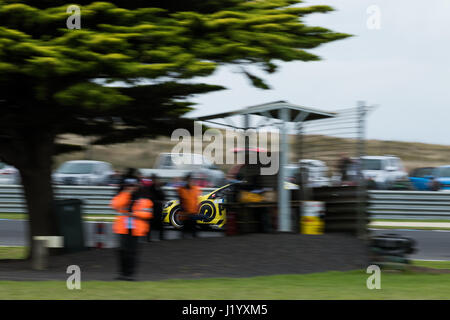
(211, 209)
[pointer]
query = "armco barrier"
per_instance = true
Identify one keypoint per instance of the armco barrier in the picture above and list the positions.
(381, 204)
(96, 199)
(409, 205)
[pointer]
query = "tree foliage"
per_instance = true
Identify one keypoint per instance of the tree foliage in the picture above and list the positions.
(51, 75)
(126, 73)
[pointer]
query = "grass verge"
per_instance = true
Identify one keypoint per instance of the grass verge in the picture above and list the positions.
(409, 228)
(89, 217)
(432, 264)
(13, 252)
(411, 220)
(14, 216)
(328, 285)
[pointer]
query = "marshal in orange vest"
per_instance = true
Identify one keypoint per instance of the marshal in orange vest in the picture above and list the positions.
(141, 212)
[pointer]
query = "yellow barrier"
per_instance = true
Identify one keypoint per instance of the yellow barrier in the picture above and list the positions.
(311, 221)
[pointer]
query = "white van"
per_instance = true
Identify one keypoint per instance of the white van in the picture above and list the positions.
(383, 171)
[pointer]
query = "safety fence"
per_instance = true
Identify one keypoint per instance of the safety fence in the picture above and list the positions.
(380, 204)
(96, 199)
(409, 205)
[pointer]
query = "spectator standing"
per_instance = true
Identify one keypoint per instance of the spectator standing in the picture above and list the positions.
(158, 197)
(343, 166)
(188, 197)
(133, 209)
(131, 173)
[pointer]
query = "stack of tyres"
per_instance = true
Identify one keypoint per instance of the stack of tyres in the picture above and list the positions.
(389, 251)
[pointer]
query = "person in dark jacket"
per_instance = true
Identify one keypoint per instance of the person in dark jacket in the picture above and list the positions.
(133, 208)
(158, 198)
(343, 166)
(131, 173)
(188, 196)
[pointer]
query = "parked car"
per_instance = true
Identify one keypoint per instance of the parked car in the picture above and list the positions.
(421, 178)
(9, 174)
(317, 172)
(170, 167)
(84, 172)
(382, 171)
(440, 179)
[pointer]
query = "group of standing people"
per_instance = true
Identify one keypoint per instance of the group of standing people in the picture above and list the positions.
(139, 204)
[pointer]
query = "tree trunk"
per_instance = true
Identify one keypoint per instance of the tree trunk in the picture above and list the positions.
(37, 185)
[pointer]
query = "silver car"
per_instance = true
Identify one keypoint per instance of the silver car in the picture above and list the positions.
(172, 166)
(317, 172)
(9, 174)
(84, 172)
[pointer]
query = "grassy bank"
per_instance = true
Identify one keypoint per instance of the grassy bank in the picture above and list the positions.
(89, 217)
(13, 252)
(432, 264)
(411, 220)
(408, 228)
(328, 285)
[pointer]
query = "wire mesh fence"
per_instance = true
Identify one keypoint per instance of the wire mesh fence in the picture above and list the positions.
(331, 149)
(332, 140)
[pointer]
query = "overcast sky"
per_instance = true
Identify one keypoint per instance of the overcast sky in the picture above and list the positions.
(403, 67)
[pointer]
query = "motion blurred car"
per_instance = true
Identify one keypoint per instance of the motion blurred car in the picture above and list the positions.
(9, 174)
(440, 179)
(173, 166)
(84, 172)
(421, 178)
(382, 171)
(317, 172)
(211, 208)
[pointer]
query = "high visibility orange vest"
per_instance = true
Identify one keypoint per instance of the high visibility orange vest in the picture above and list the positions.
(141, 212)
(189, 199)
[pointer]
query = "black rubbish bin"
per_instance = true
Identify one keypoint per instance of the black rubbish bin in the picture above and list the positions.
(70, 224)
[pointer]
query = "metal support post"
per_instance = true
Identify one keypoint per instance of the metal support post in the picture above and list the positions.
(361, 227)
(284, 209)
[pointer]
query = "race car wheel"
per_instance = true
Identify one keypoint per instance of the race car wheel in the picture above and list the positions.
(174, 218)
(208, 211)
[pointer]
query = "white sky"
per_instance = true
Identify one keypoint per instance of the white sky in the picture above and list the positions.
(403, 68)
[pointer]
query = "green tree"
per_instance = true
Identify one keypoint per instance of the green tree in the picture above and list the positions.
(124, 74)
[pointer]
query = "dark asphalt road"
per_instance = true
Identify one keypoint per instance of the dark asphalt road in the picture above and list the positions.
(433, 245)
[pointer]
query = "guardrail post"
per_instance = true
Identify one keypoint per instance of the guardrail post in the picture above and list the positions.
(361, 191)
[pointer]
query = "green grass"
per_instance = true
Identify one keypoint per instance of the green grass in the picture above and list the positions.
(329, 285)
(23, 216)
(432, 264)
(411, 220)
(14, 216)
(411, 227)
(13, 252)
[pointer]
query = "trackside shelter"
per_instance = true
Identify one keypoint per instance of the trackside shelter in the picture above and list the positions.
(280, 114)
